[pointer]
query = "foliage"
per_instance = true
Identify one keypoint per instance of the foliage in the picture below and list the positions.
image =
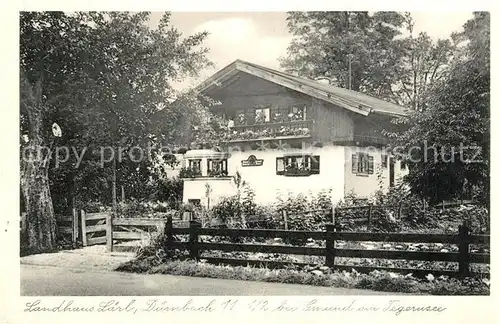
(323, 42)
(101, 76)
(227, 209)
(170, 191)
(265, 132)
(189, 173)
(386, 207)
(217, 173)
(422, 63)
(376, 280)
(383, 62)
(135, 208)
(447, 146)
(306, 213)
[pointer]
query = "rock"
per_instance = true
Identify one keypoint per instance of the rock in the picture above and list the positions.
(386, 246)
(424, 247)
(412, 248)
(444, 250)
(474, 251)
(340, 243)
(312, 244)
(310, 240)
(317, 272)
(324, 268)
(399, 247)
(439, 244)
(278, 239)
(429, 277)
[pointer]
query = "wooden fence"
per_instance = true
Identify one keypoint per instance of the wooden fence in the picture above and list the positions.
(463, 239)
(102, 228)
(67, 225)
(96, 229)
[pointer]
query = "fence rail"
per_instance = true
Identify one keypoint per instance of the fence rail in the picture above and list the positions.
(67, 225)
(463, 239)
(102, 228)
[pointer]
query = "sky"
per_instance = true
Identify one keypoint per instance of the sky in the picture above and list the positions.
(262, 37)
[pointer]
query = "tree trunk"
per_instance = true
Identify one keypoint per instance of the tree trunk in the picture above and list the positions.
(35, 157)
(40, 218)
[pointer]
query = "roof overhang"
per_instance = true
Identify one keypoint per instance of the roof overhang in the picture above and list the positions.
(218, 78)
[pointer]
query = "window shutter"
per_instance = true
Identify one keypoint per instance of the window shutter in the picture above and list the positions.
(280, 166)
(354, 163)
(315, 164)
(370, 164)
(384, 160)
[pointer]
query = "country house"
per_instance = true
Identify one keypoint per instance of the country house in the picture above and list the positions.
(289, 134)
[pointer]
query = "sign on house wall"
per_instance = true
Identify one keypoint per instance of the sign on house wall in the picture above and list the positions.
(252, 161)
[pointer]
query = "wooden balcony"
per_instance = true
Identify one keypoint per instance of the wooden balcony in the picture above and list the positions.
(270, 131)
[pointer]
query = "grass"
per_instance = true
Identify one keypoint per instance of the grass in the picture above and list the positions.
(376, 280)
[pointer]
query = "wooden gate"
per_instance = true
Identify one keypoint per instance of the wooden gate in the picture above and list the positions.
(96, 228)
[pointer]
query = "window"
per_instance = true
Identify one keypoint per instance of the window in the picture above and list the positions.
(194, 164)
(384, 161)
(194, 202)
(262, 115)
(241, 118)
(297, 113)
(298, 165)
(217, 168)
(403, 165)
(362, 163)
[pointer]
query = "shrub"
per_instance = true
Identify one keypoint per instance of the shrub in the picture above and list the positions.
(136, 208)
(376, 280)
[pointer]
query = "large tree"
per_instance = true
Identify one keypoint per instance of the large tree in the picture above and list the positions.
(329, 44)
(422, 62)
(448, 144)
(101, 77)
(375, 53)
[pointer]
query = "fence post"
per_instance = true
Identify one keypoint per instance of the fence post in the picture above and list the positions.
(330, 245)
(334, 209)
(74, 235)
(109, 232)
(168, 233)
(370, 207)
(463, 250)
(285, 219)
(84, 230)
(400, 209)
(193, 240)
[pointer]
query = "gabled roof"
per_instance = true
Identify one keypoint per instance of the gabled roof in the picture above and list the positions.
(352, 100)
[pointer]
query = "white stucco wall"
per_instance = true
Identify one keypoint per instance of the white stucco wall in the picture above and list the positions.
(266, 183)
(196, 188)
(335, 174)
(364, 185)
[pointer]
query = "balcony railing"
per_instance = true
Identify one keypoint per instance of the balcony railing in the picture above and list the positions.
(269, 131)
